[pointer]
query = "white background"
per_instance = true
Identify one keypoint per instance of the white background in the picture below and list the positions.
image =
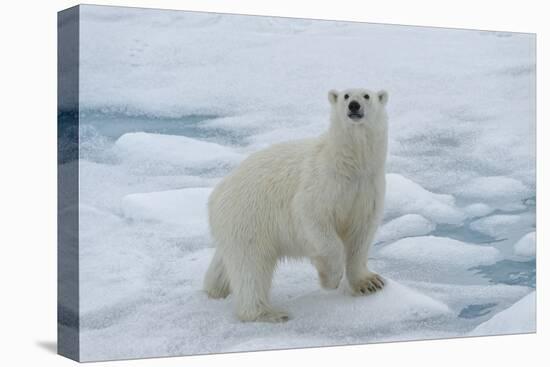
(28, 182)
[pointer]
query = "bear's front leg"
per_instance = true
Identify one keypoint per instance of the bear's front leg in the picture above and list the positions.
(361, 280)
(366, 283)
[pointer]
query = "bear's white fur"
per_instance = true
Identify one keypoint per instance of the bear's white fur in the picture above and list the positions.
(318, 198)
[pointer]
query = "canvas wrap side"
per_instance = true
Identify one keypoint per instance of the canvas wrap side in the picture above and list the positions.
(67, 183)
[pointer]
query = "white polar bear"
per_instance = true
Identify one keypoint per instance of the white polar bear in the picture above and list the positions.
(319, 198)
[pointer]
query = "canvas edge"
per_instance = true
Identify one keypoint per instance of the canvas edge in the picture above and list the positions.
(68, 316)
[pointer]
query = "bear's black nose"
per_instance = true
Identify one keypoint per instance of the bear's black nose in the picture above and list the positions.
(354, 106)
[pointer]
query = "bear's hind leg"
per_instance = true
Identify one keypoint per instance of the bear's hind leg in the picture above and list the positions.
(330, 270)
(216, 282)
(250, 273)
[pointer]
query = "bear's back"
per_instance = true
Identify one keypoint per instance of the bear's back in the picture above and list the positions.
(254, 199)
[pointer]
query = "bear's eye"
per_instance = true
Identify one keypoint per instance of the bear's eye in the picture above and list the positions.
(346, 96)
(366, 96)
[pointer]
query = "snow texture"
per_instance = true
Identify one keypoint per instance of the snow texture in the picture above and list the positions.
(176, 317)
(518, 318)
(406, 197)
(185, 208)
(495, 225)
(171, 101)
(180, 151)
(526, 247)
(478, 210)
(439, 251)
(507, 191)
(405, 226)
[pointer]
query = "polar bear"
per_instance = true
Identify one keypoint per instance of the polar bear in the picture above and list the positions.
(319, 198)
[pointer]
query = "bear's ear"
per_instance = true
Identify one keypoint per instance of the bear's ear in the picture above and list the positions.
(383, 97)
(332, 96)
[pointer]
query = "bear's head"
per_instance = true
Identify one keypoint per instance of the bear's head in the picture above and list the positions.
(359, 106)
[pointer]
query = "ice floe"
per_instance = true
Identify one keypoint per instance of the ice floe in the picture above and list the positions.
(478, 210)
(496, 225)
(407, 225)
(154, 150)
(185, 208)
(526, 247)
(439, 251)
(405, 196)
(517, 319)
(176, 317)
(502, 192)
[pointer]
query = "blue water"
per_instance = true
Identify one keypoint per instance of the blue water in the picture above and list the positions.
(474, 311)
(114, 125)
(509, 272)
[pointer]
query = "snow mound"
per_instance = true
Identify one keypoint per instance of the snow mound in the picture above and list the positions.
(526, 246)
(93, 220)
(505, 192)
(460, 296)
(393, 305)
(184, 320)
(440, 251)
(405, 226)
(495, 225)
(517, 319)
(185, 208)
(478, 210)
(172, 150)
(404, 196)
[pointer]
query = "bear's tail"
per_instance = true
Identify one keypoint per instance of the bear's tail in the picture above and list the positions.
(216, 282)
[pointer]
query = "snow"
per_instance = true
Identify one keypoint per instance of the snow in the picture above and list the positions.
(439, 251)
(407, 197)
(460, 296)
(195, 323)
(160, 150)
(495, 225)
(517, 319)
(104, 185)
(478, 210)
(526, 247)
(172, 101)
(412, 305)
(149, 68)
(405, 226)
(185, 208)
(502, 191)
